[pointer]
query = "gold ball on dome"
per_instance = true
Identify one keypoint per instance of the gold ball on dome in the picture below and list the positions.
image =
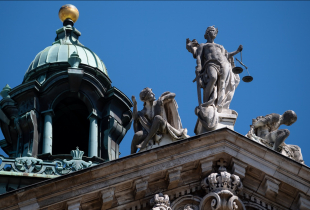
(68, 11)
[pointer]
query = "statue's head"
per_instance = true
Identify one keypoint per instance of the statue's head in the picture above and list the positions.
(289, 117)
(147, 95)
(211, 32)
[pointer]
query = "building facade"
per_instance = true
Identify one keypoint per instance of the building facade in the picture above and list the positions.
(66, 103)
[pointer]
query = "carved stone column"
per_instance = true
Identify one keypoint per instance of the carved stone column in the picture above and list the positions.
(93, 135)
(48, 131)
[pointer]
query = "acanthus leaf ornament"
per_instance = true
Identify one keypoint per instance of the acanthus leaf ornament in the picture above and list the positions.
(37, 166)
(27, 164)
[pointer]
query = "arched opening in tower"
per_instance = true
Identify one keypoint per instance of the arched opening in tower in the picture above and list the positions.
(70, 126)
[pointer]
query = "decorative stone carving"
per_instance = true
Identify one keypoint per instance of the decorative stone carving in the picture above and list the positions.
(186, 202)
(190, 207)
(160, 202)
(28, 164)
(38, 166)
(292, 151)
(222, 188)
(76, 163)
(265, 130)
(214, 75)
(223, 181)
(158, 121)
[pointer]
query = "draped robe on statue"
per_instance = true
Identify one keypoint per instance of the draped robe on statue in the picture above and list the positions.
(173, 125)
(207, 115)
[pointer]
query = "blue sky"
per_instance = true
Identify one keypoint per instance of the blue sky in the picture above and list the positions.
(143, 45)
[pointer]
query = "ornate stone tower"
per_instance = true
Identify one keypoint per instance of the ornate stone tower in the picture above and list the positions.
(65, 101)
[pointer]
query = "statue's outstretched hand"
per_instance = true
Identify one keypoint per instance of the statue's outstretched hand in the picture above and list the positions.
(240, 48)
(133, 98)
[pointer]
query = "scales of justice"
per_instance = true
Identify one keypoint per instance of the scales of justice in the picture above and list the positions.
(218, 77)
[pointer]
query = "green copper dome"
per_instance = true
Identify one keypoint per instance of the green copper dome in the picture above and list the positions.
(65, 44)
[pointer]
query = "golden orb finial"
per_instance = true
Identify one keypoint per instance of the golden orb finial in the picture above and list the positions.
(68, 11)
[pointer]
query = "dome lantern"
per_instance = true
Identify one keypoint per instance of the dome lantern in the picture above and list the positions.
(66, 42)
(66, 101)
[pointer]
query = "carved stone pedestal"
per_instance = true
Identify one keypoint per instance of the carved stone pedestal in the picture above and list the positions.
(226, 119)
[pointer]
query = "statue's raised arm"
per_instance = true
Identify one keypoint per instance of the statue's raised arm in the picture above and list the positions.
(240, 48)
(192, 46)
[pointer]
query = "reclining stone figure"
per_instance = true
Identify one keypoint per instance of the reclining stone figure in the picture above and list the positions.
(265, 130)
(157, 118)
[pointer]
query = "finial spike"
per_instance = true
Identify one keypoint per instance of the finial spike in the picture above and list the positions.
(74, 60)
(5, 91)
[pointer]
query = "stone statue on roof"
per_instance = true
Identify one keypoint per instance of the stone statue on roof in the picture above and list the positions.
(214, 75)
(265, 130)
(158, 123)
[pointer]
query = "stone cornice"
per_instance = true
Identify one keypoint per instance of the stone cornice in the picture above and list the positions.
(63, 66)
(194, 149)
(34, 84)
(114, 92)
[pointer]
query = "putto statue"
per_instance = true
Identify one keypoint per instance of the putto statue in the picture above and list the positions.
(265, 130)
(214, 75)
(158, 121)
